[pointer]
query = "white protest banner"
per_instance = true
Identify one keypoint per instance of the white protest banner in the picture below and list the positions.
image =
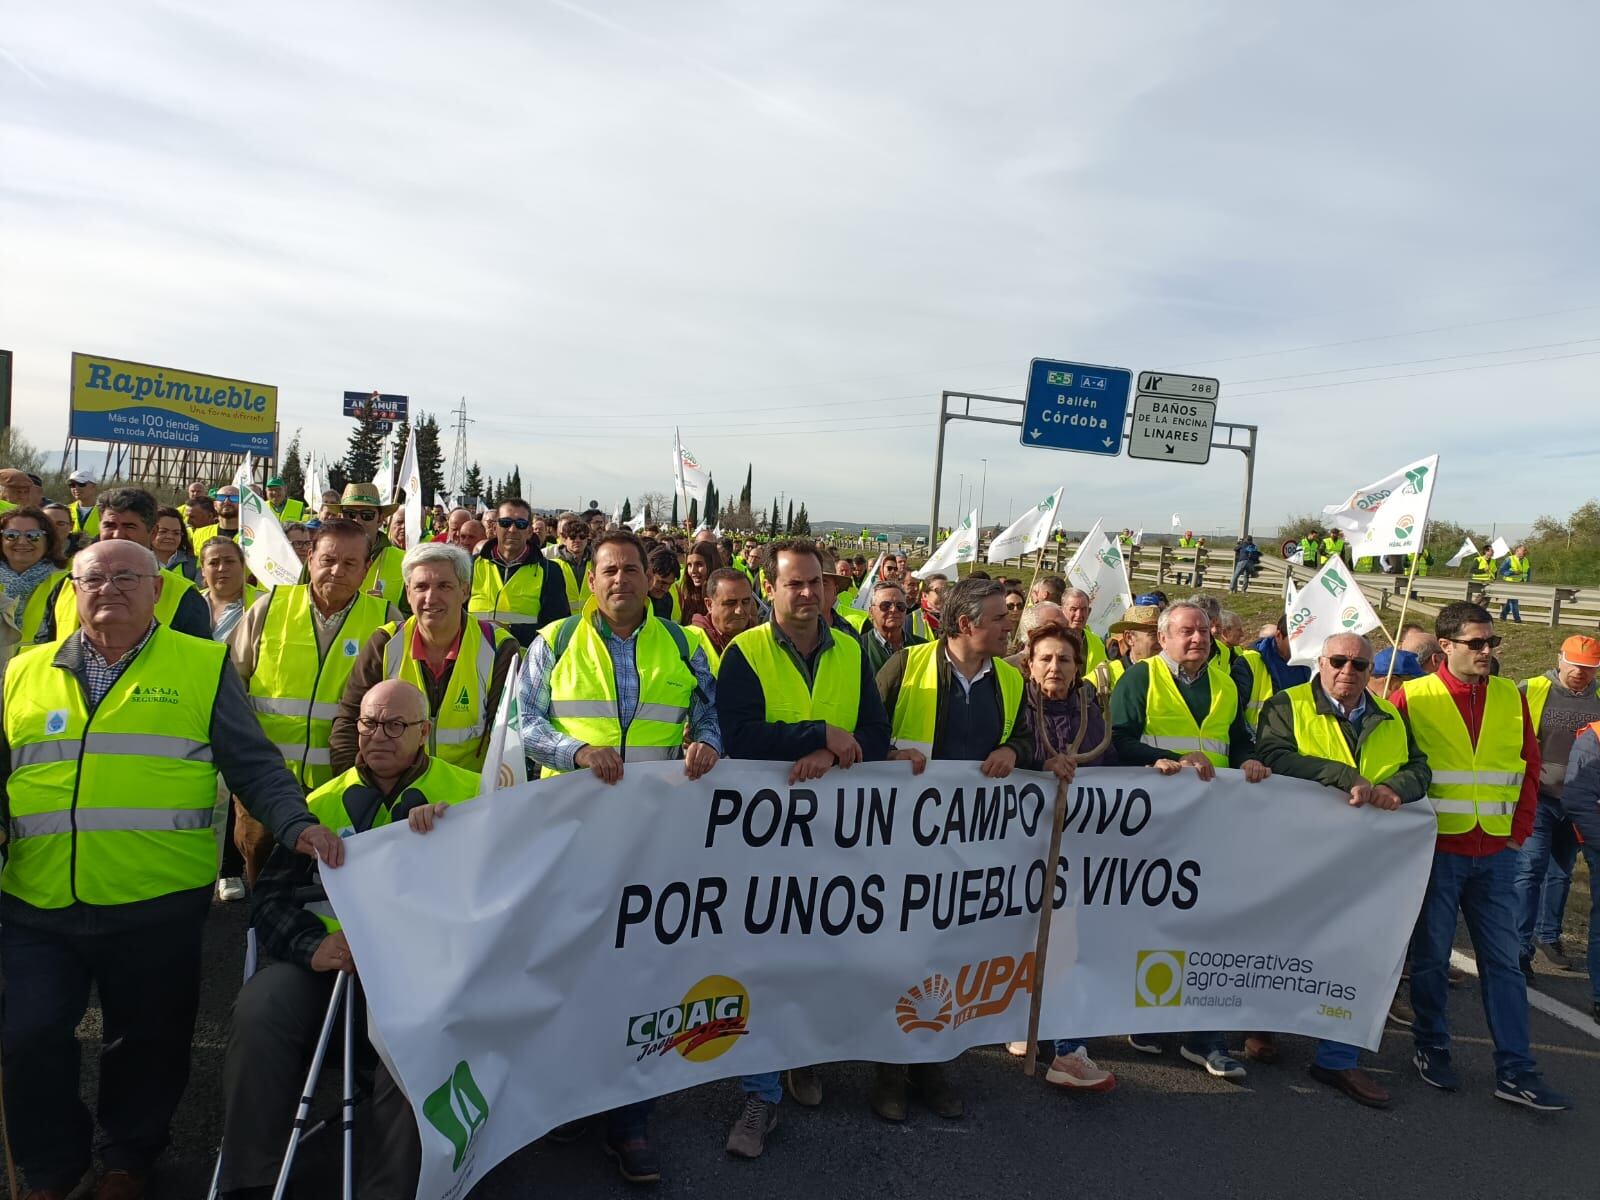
(1467, 547)
(1498, 549)
(545, 954)
(1029, 532)
(960, 547)
(267, 550)
(1390, 516)
(1101, 569)
(863, 600)
(505, 765)
(411, 481)
(1328, 604)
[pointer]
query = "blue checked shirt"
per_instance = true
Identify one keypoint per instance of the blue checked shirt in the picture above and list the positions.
(99, 675)
(549, 747)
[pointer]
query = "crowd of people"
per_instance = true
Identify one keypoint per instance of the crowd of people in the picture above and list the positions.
(157, 702)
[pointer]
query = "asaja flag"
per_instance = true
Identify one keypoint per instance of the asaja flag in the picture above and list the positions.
(1498, 549)
(1467, 547)
(505, 765)
(1029, 532)
(266, 547)
(863, 601)
(411, 480)
(1329, 603)
(960, 547)
(1100, 569)
(1390, 516)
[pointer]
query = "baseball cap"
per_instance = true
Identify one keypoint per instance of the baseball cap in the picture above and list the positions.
(275, 481)
(1147, 600)
(1406, 665)
(1581, 651)
(80, 477)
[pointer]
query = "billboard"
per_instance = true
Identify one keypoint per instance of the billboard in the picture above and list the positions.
(118, 401)
(384, 406)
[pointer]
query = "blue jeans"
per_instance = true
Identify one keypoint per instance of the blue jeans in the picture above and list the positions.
(1544, 875)
(1337, 1056)
(1591, 855)
(1513, 609)
(1240, 571)
(764, 1084)
(1484, 890)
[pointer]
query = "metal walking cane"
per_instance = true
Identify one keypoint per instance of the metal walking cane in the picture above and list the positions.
(340, 987)
(349, 1093)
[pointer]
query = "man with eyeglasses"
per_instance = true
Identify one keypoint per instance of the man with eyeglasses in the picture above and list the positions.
(1480, 743)
(114, 738)
(278, 1014)
(513, 583)
(1330, 731)
(886, 634)
(359, 503)
(130, 515)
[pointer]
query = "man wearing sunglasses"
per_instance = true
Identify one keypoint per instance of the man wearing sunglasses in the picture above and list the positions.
(1330, 731)
(359, 503)
(1480, 743)
(512, 582)
(887, 632)
(571, 552)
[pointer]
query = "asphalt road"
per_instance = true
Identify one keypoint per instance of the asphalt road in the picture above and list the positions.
(1167, 1129)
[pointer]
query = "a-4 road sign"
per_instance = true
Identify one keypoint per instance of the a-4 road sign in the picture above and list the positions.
(1075, 406)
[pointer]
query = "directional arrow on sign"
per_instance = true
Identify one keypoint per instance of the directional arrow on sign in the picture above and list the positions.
(1169, 447)
(1109, 442)
(1036, 435)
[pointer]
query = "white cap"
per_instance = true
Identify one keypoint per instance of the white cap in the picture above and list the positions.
(80, 477)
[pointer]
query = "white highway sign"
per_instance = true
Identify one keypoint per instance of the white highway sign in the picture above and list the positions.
(1171, 430)
(1183, 387)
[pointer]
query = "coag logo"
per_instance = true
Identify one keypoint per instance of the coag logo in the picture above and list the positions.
(1350, 617)
(704, 1026)
(982, 989)
(1403, 527)
(925, 1005)
(457, 1109)
(1370, 500)
(1158, 979)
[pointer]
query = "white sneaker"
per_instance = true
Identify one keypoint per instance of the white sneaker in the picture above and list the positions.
(1017, 1049)
(1078, 1070)
(230, 889)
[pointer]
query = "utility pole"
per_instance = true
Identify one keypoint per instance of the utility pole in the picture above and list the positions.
(983, 493)
(456, 479)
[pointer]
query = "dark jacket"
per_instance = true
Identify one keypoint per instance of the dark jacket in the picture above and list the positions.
(1580, 794)
(192, 616)
(1129, 702)
(893, 675)
(1283, 675)
(1277, 746)
(742, 711)
(553, 602)
(879, 651)
(1061, 720)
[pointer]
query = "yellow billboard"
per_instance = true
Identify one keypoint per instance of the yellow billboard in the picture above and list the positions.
(114, 400)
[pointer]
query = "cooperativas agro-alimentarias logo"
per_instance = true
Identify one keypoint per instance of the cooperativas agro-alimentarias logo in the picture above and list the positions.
(1158, 979)
(711, 1017)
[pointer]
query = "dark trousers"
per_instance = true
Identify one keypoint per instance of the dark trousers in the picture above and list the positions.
(148, 980)
(277, 1018)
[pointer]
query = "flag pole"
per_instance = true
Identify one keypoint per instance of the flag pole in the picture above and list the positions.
(1400, 624)
(1041, 945)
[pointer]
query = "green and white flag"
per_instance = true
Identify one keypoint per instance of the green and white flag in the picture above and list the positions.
(505, 764)
(266, 547)
(863, 600)
(411, 481)
(1029, 532)
(1100, 569)
(1390, 516)
(1329, 603)
(960, 547)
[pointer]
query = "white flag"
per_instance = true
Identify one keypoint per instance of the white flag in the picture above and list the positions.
(1390, 516)
(864, 595)
(310, 490)
(241, 477)
(1467, 547)
(637, 521)
(266, 547)
(1288, 592)
(1029, 532)
(688, 476)
(1498, 549)
(505, 765)
(1138, 538)
(960, 547)
(616, 514)
(385, 479)
(1329, 603)
(1100, 569)
(411, 480)
(1176, 523)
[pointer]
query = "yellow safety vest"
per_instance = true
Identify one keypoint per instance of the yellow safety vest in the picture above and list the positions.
(462, 718)
(114, 805)
(292, 511)
(583, 688)
(1537, 690)
(919, 624)
(441, 783)
(1094, 649)
(916, 707)
(1107, 674)
(200, 536)
(173, 586)
(853, 617)
(702, 639)
(1318, 735)
(1483, 570)
(577, 586)
(1169, 725)
(33, 613)
(384, 578)
(1260, 685)
(508, 601)
(90, 525)
(1472, 785)
(1519, 568)
(295, 691)
(834, 695)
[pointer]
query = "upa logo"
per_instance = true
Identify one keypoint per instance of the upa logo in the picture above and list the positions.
(1404, 526)
(1158, 979)
(712, 1016)
(926, 1005)
(1350, 617)
(981, 989)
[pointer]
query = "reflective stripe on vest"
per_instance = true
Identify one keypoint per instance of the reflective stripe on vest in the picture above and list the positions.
(173, 587)
(916, 707)
(834, 695)
(1472, 786)
(462, 717)
(1518, 572)
(1483, 570)
(1537, 690)
(441, 783)
(295, 690)
(1168, 723)
(1260, 685)
(116, 805)
(583, 690)
(1317, 735)
(507, 600)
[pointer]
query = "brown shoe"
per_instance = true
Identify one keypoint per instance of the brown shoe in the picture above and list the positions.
(1355, 1083)
(1261, 1048)
(804, 1086)
(888, 1096)
(935, 1090)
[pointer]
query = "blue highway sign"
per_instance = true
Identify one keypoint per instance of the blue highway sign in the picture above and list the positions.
(1075, 406)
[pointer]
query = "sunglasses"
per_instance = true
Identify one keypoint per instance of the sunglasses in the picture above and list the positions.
(891, 606)
(361, 514)
(16, 535)
(512, 522)
(1014, 607)
(1339, 661)
(1477, 644)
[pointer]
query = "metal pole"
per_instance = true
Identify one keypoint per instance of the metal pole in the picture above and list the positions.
(1249, 481)
(938, 470)
(983, 493)
(961, 499)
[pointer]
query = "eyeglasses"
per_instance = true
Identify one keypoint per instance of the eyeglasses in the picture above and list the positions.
(360, 514)
(575, 535)
(1339, 661)
(512, 522)
(33, 535)
(393, 729)
(891, 606)
(1477, 644)
(123, 581)
(1014, 607)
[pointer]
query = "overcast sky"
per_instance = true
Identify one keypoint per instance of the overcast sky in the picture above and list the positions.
(786, 227)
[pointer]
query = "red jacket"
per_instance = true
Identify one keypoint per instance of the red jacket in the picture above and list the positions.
(1477, 843)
